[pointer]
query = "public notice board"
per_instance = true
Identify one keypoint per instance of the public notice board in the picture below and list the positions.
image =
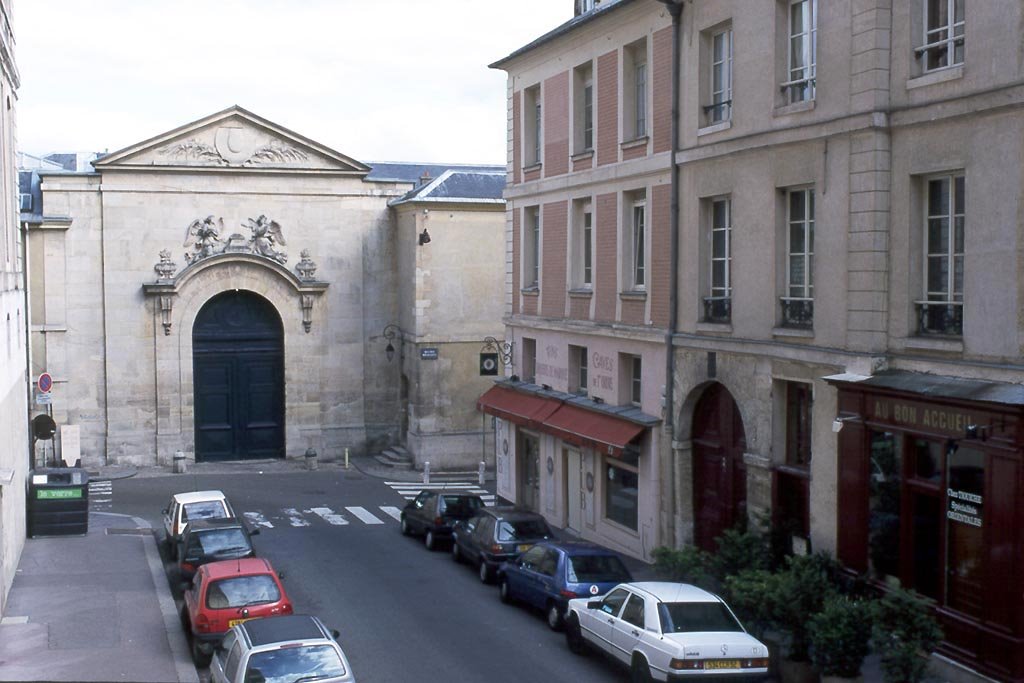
(70, 444)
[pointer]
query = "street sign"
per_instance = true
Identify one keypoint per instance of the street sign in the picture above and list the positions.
(489, 364)
(43, 399)
(429, 353)
(45, 383)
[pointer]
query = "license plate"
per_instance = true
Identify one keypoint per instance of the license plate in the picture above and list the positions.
(722, 664)
(232, 622)
(524, 547)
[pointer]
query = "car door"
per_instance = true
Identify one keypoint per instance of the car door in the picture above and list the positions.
(482, 537)
(415, 515)
(169, 512)
(544, 578)
(522, 575)
(628, 628)
(463, 533)
(596, 622)
(225, 659)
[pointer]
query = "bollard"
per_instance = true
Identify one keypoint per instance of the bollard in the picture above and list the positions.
(179, 463)
(426, 472)
(481, 472)
(346, 458)
(311, 459)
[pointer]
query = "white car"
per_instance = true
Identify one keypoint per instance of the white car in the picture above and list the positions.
(667, 632)
(191, 506)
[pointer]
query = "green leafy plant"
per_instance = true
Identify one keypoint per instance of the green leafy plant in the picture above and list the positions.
(740, 551)
(839, 636)
(905, 632)
(749, 593)
(800, 591)
(688, 564)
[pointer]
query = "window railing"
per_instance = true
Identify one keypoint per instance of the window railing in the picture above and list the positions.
(800, 89)
(718, 112)
(797, 312)
(717, 309)
(944, 52)
(940, 317)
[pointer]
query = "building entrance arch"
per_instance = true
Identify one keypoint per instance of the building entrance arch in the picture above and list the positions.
(719, 473)
(238, 370)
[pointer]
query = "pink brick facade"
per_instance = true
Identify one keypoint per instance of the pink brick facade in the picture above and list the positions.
(517, 137)
(658, 288)
(516, 258)
(556, 125)
(661, 82)
(634, 152)
(607, 105)
(579, 307)
(606, 287)
(633, 311)
(584, 164)
(554, 243)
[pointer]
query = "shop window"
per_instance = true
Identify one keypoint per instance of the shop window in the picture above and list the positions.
(965, 538)
(885, 488)
(529, 359)
(578, 370)
(528, 467)
(621, 493)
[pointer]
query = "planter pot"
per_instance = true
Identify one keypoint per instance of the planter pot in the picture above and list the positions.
(797, 672)
(841, 679)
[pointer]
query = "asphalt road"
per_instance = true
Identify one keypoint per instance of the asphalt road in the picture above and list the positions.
(405, 614)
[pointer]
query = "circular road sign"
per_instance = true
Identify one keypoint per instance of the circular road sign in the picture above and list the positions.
(45, 383)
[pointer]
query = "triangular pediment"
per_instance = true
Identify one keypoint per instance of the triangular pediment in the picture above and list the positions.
(233, 139)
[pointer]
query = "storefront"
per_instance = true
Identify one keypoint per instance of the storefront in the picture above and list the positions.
(589, 468)
(930, 485)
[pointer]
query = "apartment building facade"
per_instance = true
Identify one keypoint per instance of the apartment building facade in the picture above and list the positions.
(849, 323)
(14, 458)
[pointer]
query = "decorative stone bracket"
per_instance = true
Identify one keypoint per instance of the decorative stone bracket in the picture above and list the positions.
(167, 287)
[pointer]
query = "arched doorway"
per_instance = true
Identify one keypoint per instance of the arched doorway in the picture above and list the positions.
(238, 363)
(719, 475)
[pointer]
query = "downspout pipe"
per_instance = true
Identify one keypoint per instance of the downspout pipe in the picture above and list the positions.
(675, 9)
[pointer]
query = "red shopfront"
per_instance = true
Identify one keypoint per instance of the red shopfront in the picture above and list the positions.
(930, 491)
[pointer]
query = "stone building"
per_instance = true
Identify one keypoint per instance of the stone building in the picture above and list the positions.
(231, 289)
(14, 458)
(847, 325)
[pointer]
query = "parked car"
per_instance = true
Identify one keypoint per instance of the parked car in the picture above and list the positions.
(432, 513)
(666, 631)
(291, 648)
(226, 593)
(550, 574)
(210, 540)
(496, 535)
(191, 506)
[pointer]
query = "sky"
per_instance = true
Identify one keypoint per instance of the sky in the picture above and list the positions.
(377, 80)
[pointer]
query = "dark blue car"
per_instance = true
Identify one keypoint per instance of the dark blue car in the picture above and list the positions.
(550, 574)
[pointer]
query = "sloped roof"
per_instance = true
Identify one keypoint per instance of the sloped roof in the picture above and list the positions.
(411, 172)
(459, 186)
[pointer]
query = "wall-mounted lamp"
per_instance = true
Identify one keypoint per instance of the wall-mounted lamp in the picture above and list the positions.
(837, 424)
(424, 237)
(973, 431)
(389, 333)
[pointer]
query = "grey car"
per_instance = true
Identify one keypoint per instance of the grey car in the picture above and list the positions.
(290, 648)
(496, 535)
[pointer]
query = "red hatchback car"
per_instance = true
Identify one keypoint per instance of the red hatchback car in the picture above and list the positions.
(226, 593)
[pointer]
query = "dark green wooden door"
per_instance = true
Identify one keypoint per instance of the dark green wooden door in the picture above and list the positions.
(238, 352)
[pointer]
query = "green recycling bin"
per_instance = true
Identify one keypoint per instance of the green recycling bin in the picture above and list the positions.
(57, 502)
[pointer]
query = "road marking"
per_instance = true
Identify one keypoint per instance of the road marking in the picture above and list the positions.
(14, 620)
(391, 510)
(409, 490)
(442, 485)
(365, 516)
(329, 516)
(294, 518)
(258, 519)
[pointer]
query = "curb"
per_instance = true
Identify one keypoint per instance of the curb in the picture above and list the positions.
(113, 476)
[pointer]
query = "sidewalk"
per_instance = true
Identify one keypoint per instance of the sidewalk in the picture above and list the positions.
(94, 608)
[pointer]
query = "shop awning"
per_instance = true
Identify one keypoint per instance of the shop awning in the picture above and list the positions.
(582, 427)
(515, 406)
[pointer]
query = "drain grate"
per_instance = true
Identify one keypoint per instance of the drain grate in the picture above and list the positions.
(129, 532)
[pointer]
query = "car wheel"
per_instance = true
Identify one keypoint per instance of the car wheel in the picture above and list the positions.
(430, 540)
(503, 592)
(574, 636)
(172, 548)
(202, 659)
(639, 672)
(456, 553)
(485, 572)
(186, 624)
(406, 530)
(554, 615)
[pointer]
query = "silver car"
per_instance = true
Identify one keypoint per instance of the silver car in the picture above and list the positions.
(280, 650)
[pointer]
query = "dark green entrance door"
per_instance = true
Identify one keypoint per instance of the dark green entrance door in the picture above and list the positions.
(238, 364)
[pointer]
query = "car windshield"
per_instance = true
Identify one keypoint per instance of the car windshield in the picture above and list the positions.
(215, 541)
(460, 506)
(691, 617)
(240, 591)
(521, 529)
(290, 664)
(597, 569)
(210, 509)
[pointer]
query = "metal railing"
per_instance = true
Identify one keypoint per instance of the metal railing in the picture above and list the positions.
(797, 312)
(717, 309)
(940, 317)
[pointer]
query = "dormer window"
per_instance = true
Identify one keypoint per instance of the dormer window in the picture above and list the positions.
(584, 6)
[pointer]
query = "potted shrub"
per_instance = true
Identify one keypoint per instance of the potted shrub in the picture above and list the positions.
(839, 638)
(905, 633)
(800, 592)
(688, 564)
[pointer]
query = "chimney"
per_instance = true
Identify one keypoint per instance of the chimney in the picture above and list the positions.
(425, 178)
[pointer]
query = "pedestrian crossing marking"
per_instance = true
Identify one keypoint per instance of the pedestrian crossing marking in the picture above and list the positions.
(364, 515)
(392, 511)
(329, 516)
(294, 518)
(258, 519)
(409, 490)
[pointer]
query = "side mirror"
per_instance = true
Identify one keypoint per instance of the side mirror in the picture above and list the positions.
(255, 531)
(164, 511)
(335, 633)
(594, 604)
(280, 575)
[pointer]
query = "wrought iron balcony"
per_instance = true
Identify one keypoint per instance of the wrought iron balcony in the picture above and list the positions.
(717, 309)
(797, 312)
(940, 317)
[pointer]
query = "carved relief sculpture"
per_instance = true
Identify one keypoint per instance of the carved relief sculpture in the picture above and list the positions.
(165, 267)
(232, 148)
(193, 150)
(276, 153)
(306, 268)
(266, 234)
(205, 235)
